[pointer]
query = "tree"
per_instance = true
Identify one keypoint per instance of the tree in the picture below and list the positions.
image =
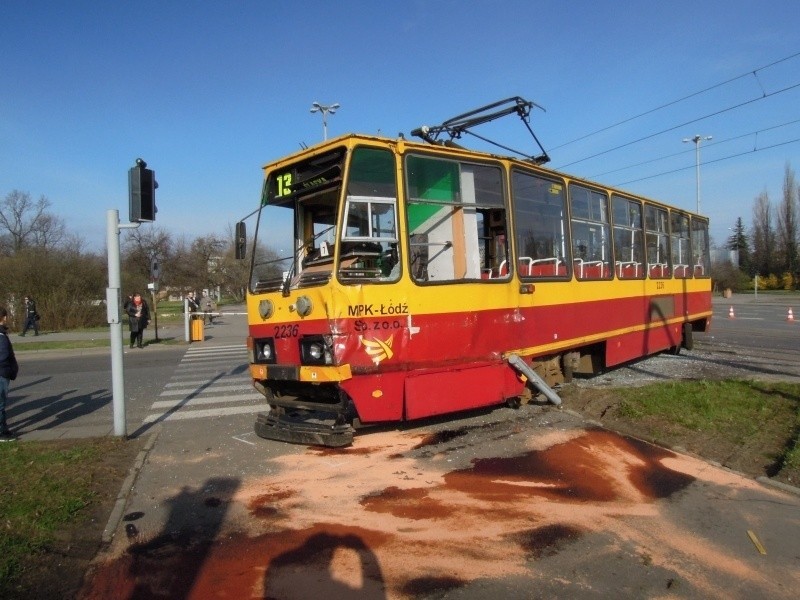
(787, 224)
(739, 241)
(142, 245)
(28, 224)
(763, 236)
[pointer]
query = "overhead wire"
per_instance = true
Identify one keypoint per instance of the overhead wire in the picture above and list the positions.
(708, 162)
(679, 100)
(714, 114)
(714, 143)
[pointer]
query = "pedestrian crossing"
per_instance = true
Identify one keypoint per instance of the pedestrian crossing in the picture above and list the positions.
(211, 381)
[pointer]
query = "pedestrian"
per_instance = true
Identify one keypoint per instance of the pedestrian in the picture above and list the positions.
(194, 306)
(31, 317)
(138, 318)
(208, 310)
(8, 373)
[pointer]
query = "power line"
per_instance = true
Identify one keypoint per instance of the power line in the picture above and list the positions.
(652, 135)
(708, 162)
(714, 143)
(673, 102)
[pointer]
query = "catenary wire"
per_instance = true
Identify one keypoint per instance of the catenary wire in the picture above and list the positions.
(673, 102)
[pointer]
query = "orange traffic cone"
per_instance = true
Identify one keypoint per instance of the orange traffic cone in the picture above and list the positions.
(790, 316)
(730, 314)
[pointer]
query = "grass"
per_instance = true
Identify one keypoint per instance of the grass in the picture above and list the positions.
(44, 487)
(734, 409)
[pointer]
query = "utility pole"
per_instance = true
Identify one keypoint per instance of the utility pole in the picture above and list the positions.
(697, 140)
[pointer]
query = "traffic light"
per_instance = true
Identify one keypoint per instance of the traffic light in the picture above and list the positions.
(142, 192)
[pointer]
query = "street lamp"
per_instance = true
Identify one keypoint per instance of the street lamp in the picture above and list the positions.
(325, 110)
(697, 139)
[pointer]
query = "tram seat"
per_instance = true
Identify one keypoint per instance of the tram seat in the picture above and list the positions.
(682, 271)
(525, 266)
(592, 269)
(547, 267)
(698, 270)
(628, 270)
(495, 273)
(502, 270)
(658, 270)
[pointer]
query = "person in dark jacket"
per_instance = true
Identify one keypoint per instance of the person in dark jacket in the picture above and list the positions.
(31, 317)
(138, 318)
(8, 373)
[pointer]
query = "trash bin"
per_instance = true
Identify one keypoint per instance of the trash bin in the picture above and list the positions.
(197, 333)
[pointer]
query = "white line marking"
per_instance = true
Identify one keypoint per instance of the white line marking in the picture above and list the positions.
(199, 401)
(199, 414)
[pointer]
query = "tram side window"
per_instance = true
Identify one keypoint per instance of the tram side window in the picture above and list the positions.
(681, 248)
(700, 248)
(456, 220)
(657, 238)
(541, 226)
(591, 251)
(628, 238)
(369, 248)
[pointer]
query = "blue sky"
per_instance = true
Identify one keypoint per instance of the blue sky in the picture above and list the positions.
(208, 92)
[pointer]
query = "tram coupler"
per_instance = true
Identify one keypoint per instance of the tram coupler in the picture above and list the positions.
(304, 427)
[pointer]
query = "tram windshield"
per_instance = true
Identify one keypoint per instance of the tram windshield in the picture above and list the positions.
(310, 215)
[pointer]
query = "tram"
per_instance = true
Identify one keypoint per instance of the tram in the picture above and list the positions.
(396, 280)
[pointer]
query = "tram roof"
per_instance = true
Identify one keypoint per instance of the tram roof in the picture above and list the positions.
(352, 139)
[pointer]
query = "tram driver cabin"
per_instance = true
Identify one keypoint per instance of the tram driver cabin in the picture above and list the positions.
(414, 273)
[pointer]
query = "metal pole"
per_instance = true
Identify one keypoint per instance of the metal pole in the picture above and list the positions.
(697, 139)
(697, 169)
(113, 302)
(114, 323)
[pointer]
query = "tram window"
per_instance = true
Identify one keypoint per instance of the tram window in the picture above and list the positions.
(456, 216)
(657, 238)
(541, 227)
(681, 249)
(700, 251)
(369, 244)
(628, 238)
(591, 252)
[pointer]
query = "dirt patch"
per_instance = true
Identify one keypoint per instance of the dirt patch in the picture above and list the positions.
(597, 399)
(58, 571)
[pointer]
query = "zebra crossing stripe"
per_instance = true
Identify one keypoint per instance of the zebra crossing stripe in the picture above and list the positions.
(203, 413)
(204, 377)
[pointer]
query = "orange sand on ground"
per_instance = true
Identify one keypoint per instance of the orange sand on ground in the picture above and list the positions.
(374, 517)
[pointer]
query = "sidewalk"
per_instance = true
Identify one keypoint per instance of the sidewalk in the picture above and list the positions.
(173, 329)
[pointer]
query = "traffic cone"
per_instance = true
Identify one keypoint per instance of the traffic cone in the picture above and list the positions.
(730, 314)
(790, 316)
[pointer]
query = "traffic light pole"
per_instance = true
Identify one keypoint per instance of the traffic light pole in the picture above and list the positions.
(113, 303)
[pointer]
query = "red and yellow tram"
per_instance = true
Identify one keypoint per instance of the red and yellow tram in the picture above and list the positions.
(396, 280)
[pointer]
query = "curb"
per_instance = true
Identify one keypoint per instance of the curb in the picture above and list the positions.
(779, 484)
(127, 486)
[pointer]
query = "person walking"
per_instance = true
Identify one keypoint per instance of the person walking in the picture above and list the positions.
(138, 318)
(31, 317)
(8, 373)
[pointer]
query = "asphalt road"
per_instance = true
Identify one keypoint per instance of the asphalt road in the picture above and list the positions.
(514, 504)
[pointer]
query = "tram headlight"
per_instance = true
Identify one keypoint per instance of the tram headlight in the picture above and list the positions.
(264, 351)
(316, 350)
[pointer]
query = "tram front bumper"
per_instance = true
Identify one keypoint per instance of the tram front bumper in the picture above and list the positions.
(310, 374)
(305, 427)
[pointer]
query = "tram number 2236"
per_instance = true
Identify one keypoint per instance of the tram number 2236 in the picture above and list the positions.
(286, 331)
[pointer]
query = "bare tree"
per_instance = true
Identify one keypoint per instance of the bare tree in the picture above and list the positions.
(141, 246)
(28, 224)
